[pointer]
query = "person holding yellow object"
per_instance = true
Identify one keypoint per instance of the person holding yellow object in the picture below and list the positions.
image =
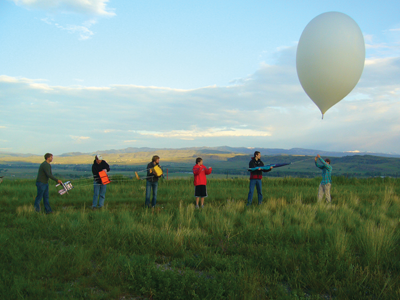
(154, 172)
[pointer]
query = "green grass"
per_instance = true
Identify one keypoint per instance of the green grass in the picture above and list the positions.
(290, 247)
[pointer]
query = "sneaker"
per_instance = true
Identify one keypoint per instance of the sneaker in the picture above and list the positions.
(197, 206)
(202, 206)
(94, 207)
(49, 212)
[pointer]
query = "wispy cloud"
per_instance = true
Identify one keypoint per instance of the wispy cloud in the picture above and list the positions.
(130, 141)
(79, 138)
(82, 30)
(91, 10)
(3, 127)
(89, 7)
(208, 132)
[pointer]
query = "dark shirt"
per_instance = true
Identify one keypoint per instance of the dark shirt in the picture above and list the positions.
(257, 174)
(151, 176)
(45, 173)
(96, 168)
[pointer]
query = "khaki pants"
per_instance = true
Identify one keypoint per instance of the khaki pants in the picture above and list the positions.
(324, 189)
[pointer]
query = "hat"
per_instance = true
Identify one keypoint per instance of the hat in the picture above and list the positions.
(99, 157)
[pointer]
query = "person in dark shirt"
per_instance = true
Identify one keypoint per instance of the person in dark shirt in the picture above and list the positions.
(255, 178)
(42, 184)
(99, 188)
(152, 181)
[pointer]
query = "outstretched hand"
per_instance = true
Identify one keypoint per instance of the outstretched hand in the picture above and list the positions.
(59, 181)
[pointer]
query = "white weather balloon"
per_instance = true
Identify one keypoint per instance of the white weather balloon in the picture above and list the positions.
(330, 58)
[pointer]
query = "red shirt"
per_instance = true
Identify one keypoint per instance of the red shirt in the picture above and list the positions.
(200, 173)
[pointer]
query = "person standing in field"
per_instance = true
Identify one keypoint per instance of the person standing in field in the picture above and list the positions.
(200, 181)
(152, 181)
(42, 184)
(99, 189)
(325, 186)
(255, 178)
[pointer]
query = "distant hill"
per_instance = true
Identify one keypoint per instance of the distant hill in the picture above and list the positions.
(213, 150)
(248, 150)
(232, 159)
(223, 162)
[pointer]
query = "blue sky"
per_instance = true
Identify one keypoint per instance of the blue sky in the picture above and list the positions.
(87, 75)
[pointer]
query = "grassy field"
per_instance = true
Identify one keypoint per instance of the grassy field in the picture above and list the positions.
(290, 247)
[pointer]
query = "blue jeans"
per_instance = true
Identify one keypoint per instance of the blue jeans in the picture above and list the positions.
(99, 188)
(255, 183)
(149, 186)
(42, 192)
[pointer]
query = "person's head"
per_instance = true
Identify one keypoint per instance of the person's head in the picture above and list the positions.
(48, 157)
(98, 158)
(155, 159)
(257, 155)
(328, 161)
(199, 161)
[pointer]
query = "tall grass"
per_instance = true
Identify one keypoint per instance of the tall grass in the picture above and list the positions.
(290, 247)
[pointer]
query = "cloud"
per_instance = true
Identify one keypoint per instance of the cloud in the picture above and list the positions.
(209, 132)
(92, 9)
(266, 109)
(87, 7)
(3, 127)
(83, 30)
(79, 138)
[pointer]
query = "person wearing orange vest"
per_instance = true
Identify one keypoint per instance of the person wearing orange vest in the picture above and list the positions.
(200, 181)
(99, 188)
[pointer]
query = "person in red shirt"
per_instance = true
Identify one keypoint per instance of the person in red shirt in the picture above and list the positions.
(200, 181)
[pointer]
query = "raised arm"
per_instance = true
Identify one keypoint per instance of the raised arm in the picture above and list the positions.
(325, 165)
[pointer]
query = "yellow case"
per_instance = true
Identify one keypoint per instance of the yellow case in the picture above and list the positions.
(158, 171)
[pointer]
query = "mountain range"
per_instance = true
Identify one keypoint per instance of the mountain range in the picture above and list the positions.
(216, 150)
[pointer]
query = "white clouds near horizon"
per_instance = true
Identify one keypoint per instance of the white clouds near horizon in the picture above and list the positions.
(266, 109)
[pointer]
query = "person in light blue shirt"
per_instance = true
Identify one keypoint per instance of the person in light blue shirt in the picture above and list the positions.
(325, 186)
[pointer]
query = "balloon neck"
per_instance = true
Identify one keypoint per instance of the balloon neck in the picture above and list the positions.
(322, 116)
